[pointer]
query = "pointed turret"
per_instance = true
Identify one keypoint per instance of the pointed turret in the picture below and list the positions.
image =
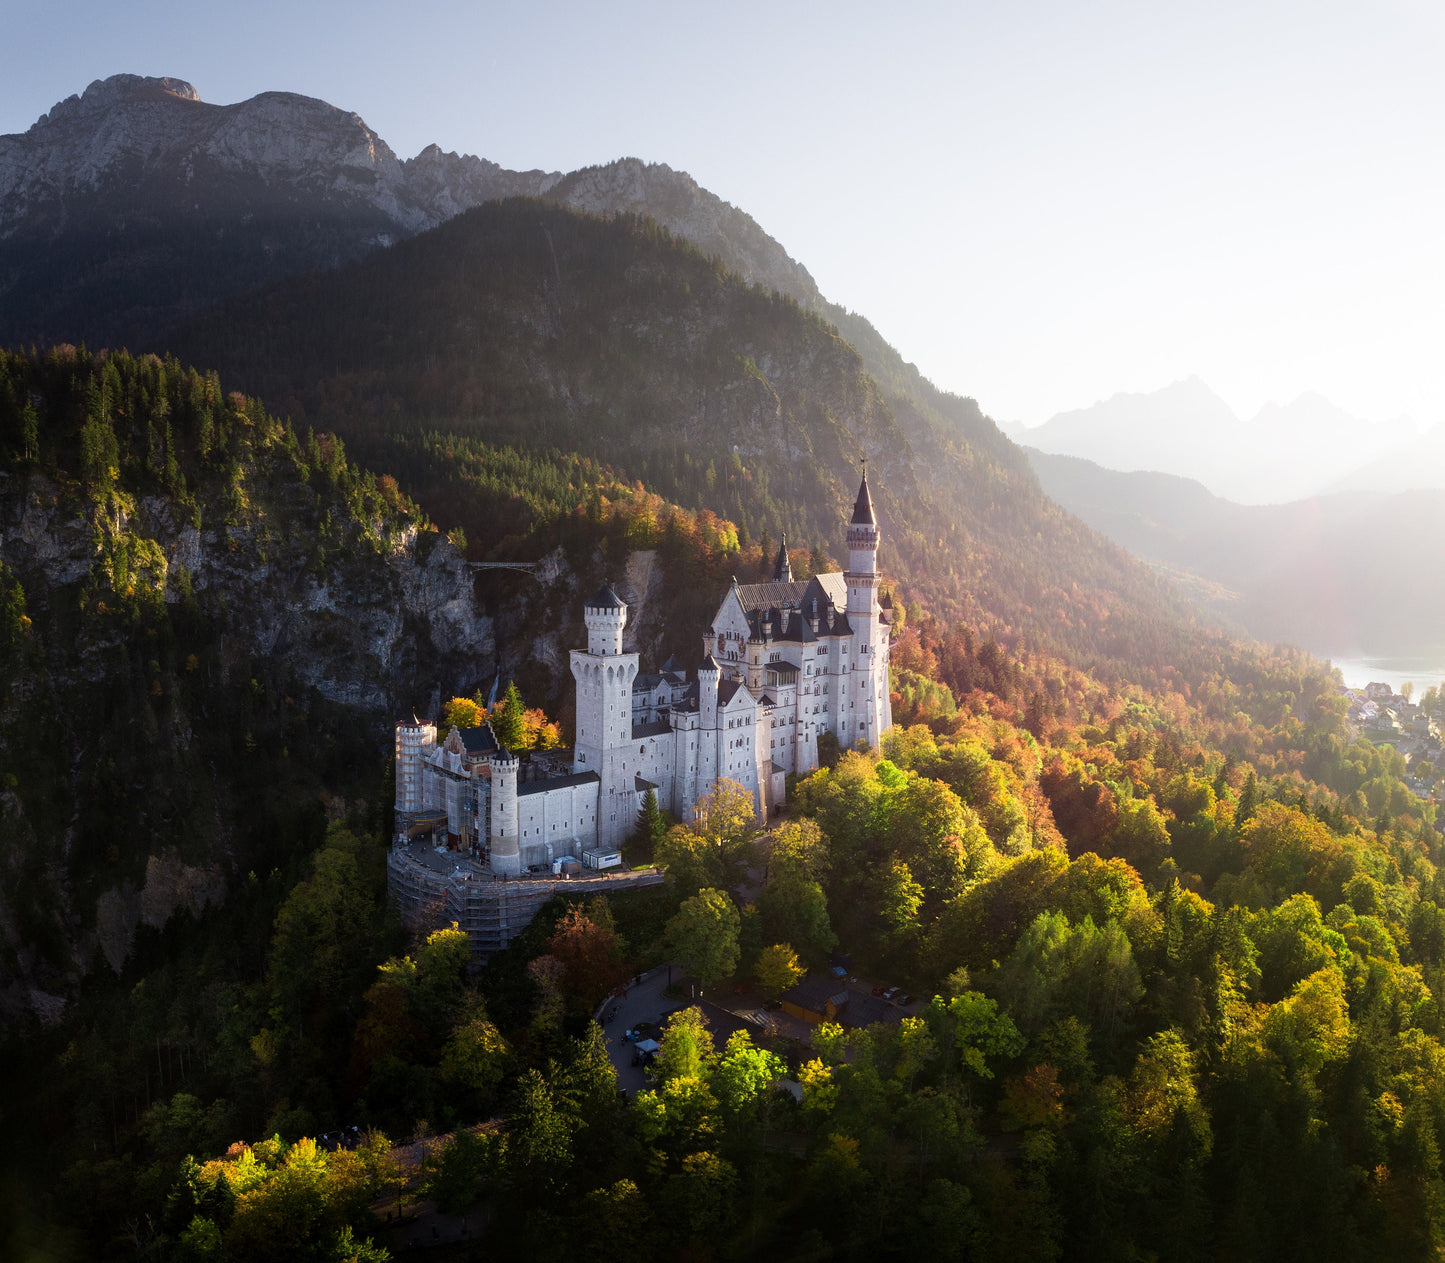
(605, 616)
(863, 507)
(863, 535)
(783, 567)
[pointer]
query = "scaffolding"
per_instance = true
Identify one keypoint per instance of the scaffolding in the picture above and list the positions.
(432, 889)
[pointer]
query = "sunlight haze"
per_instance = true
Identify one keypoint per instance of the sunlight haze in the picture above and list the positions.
(1041, 205)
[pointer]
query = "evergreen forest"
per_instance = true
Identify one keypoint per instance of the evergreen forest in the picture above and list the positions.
(1174, 938)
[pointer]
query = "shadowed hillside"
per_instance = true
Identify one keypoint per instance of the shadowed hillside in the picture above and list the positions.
(524, 323)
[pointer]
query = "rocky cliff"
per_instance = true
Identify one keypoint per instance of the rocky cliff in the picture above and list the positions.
(134, 204)
(209, 624)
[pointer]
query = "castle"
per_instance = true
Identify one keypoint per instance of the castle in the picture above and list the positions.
(783, 662)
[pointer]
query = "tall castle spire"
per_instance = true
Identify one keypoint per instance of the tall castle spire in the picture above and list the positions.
(863, 509)
(783, 567)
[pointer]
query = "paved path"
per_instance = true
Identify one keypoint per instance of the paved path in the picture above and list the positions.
(644, 1002)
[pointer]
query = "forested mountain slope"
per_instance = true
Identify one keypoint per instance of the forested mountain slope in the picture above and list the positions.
(208, 621)
(136, 204)
(128, 209)
(524, 324)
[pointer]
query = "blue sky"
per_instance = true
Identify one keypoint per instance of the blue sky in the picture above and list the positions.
(1038, 203)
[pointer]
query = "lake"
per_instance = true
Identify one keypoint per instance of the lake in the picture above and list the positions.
(1421, 672)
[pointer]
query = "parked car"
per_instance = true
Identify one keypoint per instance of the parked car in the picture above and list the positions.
(880, 988)
(892, 992)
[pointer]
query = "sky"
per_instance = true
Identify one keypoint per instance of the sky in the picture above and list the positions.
(1039, 204)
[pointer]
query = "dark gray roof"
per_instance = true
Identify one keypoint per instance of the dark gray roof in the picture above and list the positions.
(478, 740)
(864, 1010)
(646, 683)
(654, 728)
(556, 782)
(709, 663)
(761, 596)
(605, 599)
(727, 690)
(863, 508)
(832, 586)
(672, 666)
(814, 992)
(785, 672)
(722, 1023)
(641, 785)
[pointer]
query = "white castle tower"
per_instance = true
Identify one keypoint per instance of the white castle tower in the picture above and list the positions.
(413, 740)
(505, 827)
(604, 676)
(868, 713)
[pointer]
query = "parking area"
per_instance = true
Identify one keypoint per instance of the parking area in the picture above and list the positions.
(644, 1001)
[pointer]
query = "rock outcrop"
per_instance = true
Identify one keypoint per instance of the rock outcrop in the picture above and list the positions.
(142, 175)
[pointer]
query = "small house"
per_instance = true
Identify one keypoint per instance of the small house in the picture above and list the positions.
(816, 1000)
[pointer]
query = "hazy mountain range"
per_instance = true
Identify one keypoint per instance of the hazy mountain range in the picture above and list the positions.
(1346, 574)
(1283, 453)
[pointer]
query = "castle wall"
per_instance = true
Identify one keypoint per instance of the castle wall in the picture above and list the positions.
(560, 820)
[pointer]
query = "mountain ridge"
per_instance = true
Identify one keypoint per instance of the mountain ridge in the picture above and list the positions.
(1283, 452)
(133, 154)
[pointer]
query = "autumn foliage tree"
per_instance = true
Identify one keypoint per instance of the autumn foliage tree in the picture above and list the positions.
(591, 958)
(461, 712)
(518, 727)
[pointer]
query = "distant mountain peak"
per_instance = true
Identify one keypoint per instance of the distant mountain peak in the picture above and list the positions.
(282, 178)
(1284, 452)
(105, 94)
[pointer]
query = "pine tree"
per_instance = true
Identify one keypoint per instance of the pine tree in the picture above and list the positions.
(507, 719)
(1248, 801)
(651, 827)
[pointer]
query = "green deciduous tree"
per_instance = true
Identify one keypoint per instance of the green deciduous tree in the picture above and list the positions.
(795, 910)
(743, 1073)
(980, 1031)
(704, 934)
(475, 1058)
(778, 968)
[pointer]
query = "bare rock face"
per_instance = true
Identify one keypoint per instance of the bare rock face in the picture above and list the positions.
(130, 207)
(446, 184)
(129, 135)
(172, 885)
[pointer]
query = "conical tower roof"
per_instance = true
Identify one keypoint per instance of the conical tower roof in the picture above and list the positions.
(863, 509)
(606, 599)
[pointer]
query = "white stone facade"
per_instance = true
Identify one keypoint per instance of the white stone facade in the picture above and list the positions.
(784, 662)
